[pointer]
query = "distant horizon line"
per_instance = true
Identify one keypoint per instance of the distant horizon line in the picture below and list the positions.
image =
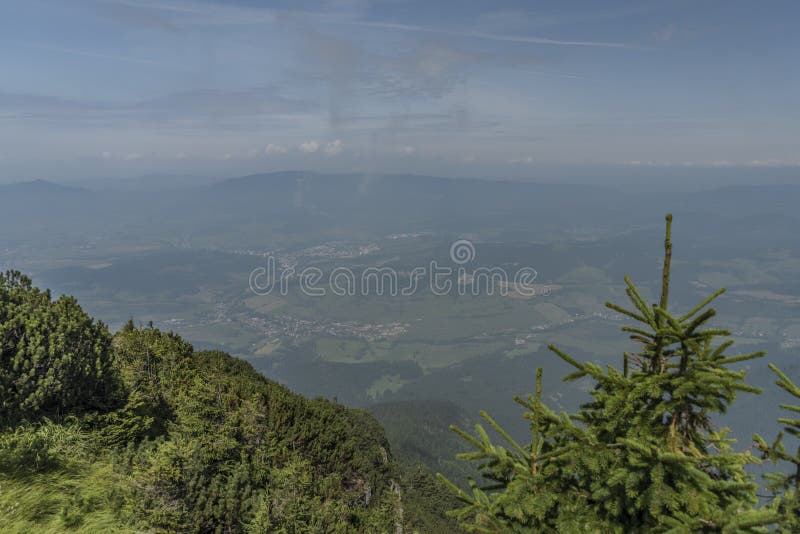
(714, 178)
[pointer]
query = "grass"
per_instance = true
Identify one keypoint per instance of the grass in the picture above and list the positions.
(428, 355)
(552, 313)
(345, 350)
(51, 481)
(264, 303)
(268, 348)
(597, 338)
(67, 500)
(522, 350)
(585, 276)
(383, 384)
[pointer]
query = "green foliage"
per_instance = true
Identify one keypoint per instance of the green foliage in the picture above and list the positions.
(643, 455)
(293, 505)
(54, 358)
(52, 479)
(418, 434)
(786, 484)
(161, 438)
(424, 499)
(205, 444)
(232, 434)
(32, 448)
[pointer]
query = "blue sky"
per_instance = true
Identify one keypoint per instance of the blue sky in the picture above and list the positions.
(498, 89)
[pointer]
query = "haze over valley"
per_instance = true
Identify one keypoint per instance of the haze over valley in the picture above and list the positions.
(182, 258)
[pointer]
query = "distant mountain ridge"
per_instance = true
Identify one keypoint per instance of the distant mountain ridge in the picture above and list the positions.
(39, 186)
(288, 208)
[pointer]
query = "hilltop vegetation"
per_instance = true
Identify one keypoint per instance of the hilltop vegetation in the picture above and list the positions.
(138, 432)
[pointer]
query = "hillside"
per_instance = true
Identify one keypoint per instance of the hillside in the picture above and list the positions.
(139, 432)
(419, 432)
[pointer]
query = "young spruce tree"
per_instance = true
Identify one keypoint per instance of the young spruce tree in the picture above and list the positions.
(785, 485)
(643, 455)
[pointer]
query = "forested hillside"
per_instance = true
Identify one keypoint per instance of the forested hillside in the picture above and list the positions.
(419, 432)
(138, 432)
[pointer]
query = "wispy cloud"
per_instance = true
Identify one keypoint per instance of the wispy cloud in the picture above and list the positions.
(183, 13)
(285, 84)
(234, 110)
(486, 36)
(221, 14)
(89, 53)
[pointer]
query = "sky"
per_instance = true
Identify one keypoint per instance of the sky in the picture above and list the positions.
(116, 88)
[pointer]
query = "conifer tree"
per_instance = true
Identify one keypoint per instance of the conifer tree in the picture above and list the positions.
(54, 359)
(643, 455)
(786, 485)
